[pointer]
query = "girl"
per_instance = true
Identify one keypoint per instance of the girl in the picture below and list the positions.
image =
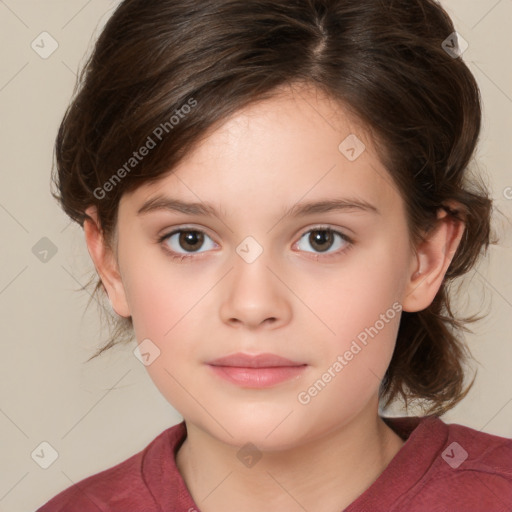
(274, 195)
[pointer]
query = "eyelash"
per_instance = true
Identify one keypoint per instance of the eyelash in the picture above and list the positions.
(181, 257)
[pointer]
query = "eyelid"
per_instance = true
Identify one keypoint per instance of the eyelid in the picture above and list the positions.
(326, 227)
(166, 233)
(189, 227)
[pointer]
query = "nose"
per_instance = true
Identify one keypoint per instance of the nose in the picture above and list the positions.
(255, 297)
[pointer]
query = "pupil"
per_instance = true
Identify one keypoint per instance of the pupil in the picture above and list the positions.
(320, 237)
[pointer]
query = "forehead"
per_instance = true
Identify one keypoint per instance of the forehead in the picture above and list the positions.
(299, 144)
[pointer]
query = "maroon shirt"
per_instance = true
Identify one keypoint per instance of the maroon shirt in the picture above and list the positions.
(440, 467)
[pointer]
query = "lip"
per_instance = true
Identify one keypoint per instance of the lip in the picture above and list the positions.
(254, 361)
(256, 371)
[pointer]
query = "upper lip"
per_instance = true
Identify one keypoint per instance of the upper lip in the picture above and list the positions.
(254, 361)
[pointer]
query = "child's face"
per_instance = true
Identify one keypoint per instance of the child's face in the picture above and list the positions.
(292, 300)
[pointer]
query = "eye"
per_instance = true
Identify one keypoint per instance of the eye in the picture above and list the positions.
(321, 239)
(184, 243)
(190, 240)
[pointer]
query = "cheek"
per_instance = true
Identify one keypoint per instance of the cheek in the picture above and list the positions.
(355, 359)
(166, 310)
(361, 307)
(159, 293)
(166, 301)
(150, 303)
(354, 297)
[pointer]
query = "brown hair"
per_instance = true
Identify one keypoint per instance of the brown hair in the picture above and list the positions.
(177, 68)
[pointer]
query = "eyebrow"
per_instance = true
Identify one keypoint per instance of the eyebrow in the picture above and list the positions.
(298, 210)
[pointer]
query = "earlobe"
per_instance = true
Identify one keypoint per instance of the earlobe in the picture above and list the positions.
(105, 262)
(431, 261)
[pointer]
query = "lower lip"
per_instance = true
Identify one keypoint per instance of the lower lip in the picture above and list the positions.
(258, 377)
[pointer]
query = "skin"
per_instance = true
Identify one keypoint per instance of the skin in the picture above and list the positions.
(293, 300)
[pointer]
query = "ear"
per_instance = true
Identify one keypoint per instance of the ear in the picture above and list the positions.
(105, 263)
(431, 262)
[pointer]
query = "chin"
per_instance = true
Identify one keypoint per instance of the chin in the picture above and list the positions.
(268, 432)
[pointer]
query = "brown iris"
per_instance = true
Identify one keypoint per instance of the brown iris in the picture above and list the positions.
(320, 237)
(191, 238)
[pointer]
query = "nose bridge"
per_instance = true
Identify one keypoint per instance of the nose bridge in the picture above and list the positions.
(255, 295)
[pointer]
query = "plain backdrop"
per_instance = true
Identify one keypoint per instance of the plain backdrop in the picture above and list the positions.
(97, 414)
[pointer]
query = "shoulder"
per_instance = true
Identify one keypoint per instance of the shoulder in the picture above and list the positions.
(473, 452)
(478, 456)
(120, 487)
(486, 449)
(470, 470)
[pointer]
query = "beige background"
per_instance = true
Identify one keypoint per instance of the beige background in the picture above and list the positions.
(99, 413)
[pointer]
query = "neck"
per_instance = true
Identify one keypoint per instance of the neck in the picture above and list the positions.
(325, 474)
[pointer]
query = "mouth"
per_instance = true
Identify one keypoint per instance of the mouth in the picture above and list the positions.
(254, 361)
(256, 371)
